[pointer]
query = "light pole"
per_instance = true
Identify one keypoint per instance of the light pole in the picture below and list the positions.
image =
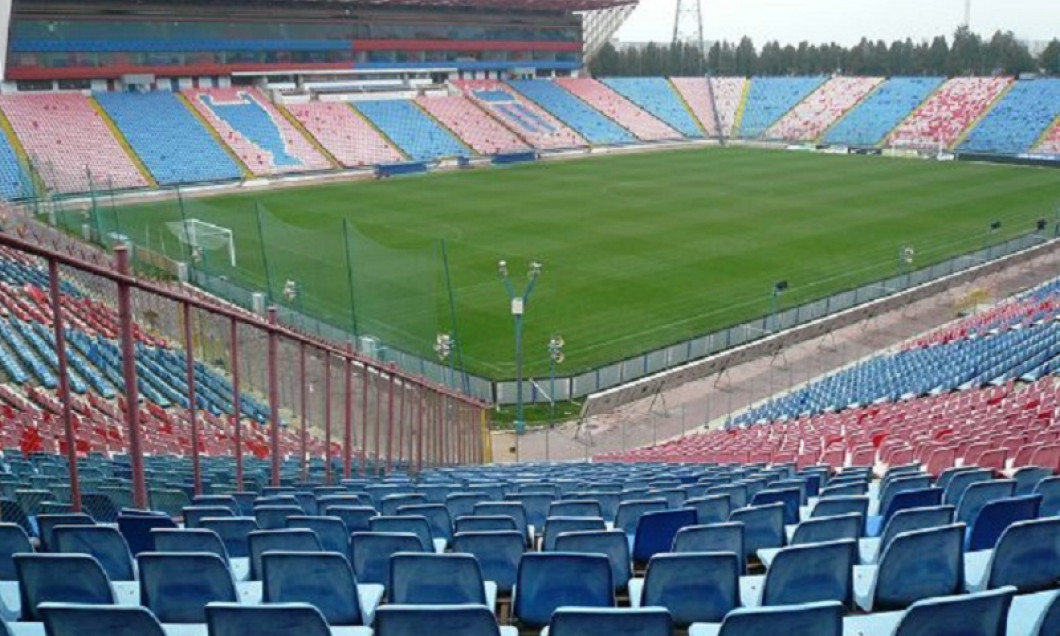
(518, 306)
(443, 346)
(779, 288)
(555, 356)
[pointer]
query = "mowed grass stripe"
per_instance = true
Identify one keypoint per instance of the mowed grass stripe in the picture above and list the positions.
(639, 251)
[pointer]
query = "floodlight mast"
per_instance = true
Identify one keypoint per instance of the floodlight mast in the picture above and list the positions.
(518, 307)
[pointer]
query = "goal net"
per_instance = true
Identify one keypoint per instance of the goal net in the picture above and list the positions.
(201, 236)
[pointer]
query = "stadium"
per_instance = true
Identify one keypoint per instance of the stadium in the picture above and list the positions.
(465, 317)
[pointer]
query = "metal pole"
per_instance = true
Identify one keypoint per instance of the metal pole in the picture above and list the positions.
(274, 398)
(132, 389)
(403, 422)
(347, 443)
(189, 369)
(363, 470)
(551, 403)
(378, 465)
(237, 407)
(64, 384)
(520, 421)
(327, 418)
(390, 428)
(419, 433)
(304, 414)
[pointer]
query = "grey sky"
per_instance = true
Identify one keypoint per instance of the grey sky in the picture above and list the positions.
(846, 21)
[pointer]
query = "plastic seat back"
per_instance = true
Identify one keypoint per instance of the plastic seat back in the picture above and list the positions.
(738, 494)
(712, 509)
(435, 579)
(982, 614)
(391, 503)
(234, 533)
(485, 524)
(136, 528)
(283, 619)
(612, 543)
(979, 494)
(535, 505)
(275, 517)
(693, 586)
(549, 580)
(849, 489)
(228, 501)
(193, 515)
(60, 578)
(835, 506)
(331, 532)
(915, 498)
(577, 621)
(13, 540)
(763, 527)
(193, 540)
(436, 620)
(656, 532)
(812, 573)
(1049, 489)
(177, 587)
(900, 484)
(1028, 478)
(998, 515)
(371, 553)
(513, 509)
(323, 580)
(262, 541)
(437, 516)
(809, 619)
(47, 523)
(105, 543)
(715, 537)
(920, 564)
(100, 506)
(498, 554)
(415, 525)
(1049, 620)
(355, 518)
(959, 482)
(73, 619)
(575, 508)
(823, 529)
(790, 497)
(629, 513)
(1027, 556)
(915, 519)
(554, 526)
(462, 504)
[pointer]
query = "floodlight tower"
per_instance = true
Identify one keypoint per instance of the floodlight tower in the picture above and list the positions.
(967, 14)
(688, 29)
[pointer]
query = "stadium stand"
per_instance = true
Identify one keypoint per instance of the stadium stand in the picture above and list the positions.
(172, 143)
(770, 98)
(1051, 142)
(479, 131)
(812, 116)
(256, 131)
(1018, 120)
(949, 112)
(656, 95)
(728, 92)
(15, 181)
(345, 134)
(419, 136)
(68, 162)
(870, 121)
(642, 124)
(526, 118)
(587, 121)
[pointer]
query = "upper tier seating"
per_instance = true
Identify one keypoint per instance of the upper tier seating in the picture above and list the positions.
(656, 95)
(172, 143)
(770, 98)
(941, 120)
(870, 121)
(67, 162)
(345, 134)
(523, 116)
(728, 91)
(419, 136)
(1018, 120)
(809, 120)
(595, 127)
(618, 108)
(482, 133)
(14, 181)
(256, 131)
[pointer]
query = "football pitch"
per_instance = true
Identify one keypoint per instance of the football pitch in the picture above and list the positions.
(638, 250)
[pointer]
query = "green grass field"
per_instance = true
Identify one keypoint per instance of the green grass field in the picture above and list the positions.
(638, 250)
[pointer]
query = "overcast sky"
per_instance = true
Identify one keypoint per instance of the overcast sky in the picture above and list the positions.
(845, 21)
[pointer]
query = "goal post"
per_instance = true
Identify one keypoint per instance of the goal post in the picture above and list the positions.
(201, 235)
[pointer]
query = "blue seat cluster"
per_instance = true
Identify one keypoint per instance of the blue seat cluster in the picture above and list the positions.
(870, 121)
(15, 182)
(770, 98)
(584, 119)
(251, 120)
(19, 274)
(171, 141)
(418, 135)
(1022, 353)
(1018, 121)
(656, 95)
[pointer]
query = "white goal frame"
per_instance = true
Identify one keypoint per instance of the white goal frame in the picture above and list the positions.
(194, 229)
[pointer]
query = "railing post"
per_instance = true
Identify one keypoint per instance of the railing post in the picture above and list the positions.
(327, 418)
(189, 371)
(237, 401)
(365, 376)
(403, 423)
(420, 430)
(378, 466)
(390, 425)
(305, 423)
(132, 390)
(274, 398)
(64, 384)
(347, 443)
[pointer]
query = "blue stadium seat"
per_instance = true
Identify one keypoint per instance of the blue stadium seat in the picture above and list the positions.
(177, 586)
(914, 566)
(809, 619)
(657, 96)
(193, 515)
(1018, 120)
(577, 621)
(47, 523)
(693, 586)
(485, 524)
(414, 525)
(842, 505)
(979, 494)
(656, 531)
(104, 543)
(189, 540)
(1049, 489)
(1028, 477)
(262, 541)
(74, 619)
(13, 540)
(418, 135)
(15, 181)
(996, 516)
(60, 578)
(982, 614)
(330, 531)
(390, 504)
(355, 518)
(763, 527)
(437, 516)
(554, 526)
(769, 98)
(280, 619)
(438, 620)
(629, 513)
(805, 574)
(234, 533)
(790, 497)
(582, 118)
(738, 494)
(275, 517)
(536, 508)
(712, 509)
(575, 508)
(371, 552)
(612, 543)
(871, 120)
(438, 579)
(958, 483)
(136, 528)
(498, 554)
(1027, 556)
(550, 580)
(904, 500)
(513, 509)
(905, 521)
(716, 537)
(325, 581)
